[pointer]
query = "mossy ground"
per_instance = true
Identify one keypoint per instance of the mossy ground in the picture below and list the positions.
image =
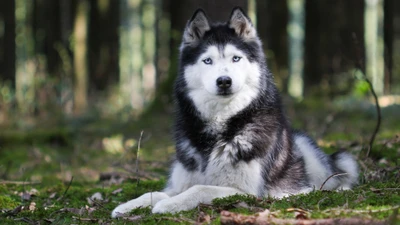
(59, 167)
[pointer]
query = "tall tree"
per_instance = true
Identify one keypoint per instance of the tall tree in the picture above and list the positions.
(80, 57)
(25, 63)
(296, 49)
(103, 45)
(272, 19)
(374, 43)
(334, 43)
(395, 79)
(47, 33)
(7, 42)
(130, 51)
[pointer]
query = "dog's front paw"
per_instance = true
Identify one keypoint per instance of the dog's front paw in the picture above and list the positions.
(171, 205)
(145, 200)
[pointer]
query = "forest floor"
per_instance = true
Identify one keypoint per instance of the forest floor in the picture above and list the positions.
(77, 172)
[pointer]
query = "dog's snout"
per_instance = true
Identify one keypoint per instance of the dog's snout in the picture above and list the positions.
(224, 82)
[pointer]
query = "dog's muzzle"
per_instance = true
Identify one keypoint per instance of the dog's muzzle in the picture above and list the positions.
(224, 84)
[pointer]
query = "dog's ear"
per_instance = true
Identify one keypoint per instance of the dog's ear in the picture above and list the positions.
(196, 27)
(242, 24)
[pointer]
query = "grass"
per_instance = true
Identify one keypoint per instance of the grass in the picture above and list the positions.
(59, 168)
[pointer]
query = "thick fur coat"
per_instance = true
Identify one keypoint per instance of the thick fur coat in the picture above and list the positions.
(231, 134)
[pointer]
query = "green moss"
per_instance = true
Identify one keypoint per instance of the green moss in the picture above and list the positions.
(7, 203)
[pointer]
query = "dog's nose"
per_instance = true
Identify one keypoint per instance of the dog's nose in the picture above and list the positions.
(224, 82)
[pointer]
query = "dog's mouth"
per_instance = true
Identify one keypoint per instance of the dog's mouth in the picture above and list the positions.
(225, 93)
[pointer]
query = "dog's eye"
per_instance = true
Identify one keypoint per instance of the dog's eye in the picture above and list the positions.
(236, 58)
(208, 61)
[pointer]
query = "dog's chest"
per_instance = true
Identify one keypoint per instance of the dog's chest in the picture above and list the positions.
(243, 175)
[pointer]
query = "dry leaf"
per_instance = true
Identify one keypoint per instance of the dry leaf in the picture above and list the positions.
(53, 195)
(95, 197)
(203, 218)
(132, 218)
(119, 190)
(32, 206)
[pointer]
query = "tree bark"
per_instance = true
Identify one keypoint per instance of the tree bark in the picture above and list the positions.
(103, 49)
(80, 58)
(331, 29)
(7, 43)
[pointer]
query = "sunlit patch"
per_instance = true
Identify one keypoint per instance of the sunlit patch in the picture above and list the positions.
(116, 144)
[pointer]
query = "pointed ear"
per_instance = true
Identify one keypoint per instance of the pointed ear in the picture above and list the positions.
(196, 27)
(242, 24)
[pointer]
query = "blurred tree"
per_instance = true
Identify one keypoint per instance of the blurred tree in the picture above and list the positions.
(392, 45)
(272, 18)
(130, 54)
(80, 57)
(103, 45)
(374, 45)
(25, 63)
(47, 32)
(388, 35)
(330, 47)
(295, 30)
(7, 42)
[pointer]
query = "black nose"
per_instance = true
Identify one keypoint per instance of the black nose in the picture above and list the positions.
(224, 82)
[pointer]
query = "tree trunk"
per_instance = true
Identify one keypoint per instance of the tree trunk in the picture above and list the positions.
(296, 48)
(103, 49)
(395, 87)
(334, 44)
(7, 43)
(388, 34)
(272, 19)
(374, 44)
(80, 58)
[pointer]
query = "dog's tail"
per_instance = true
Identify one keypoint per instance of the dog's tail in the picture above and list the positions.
(346, 163)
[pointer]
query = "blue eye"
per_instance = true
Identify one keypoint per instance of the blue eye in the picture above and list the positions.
(208, 61)
(236, 58)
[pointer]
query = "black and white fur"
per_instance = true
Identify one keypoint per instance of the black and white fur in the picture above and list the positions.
(231, 134)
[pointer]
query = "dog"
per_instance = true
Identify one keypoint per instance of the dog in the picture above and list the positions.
(231, 134)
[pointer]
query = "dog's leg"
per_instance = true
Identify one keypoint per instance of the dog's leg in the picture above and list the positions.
(192, 197)
(148, 199)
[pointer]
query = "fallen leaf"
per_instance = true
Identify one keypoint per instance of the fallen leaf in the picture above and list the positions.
(53, 195)
(203, 218)
(95, 197)
(25, 196)
(119, 190)
(132, 218)
(32, 206)
(85, 219)
(49, 220)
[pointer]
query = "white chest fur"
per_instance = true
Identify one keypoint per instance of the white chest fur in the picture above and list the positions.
(245, 176)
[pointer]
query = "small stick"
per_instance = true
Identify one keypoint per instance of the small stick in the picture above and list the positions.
(69, 185)
(18, 182)
(137, 158)
(378, 110)
(331, 176)
(264, 218)
(377, 106)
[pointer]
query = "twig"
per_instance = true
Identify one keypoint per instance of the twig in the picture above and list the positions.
(137, 158)
(265, 218)
(378, 110)
(331, 176)
(66, 190)
(18, 182)
(377, 106)
(357, 211)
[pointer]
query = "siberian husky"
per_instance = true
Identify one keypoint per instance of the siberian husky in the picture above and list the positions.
(231, 134)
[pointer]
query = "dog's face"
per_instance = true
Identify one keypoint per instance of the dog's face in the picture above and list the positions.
(221, 72)
(221, 63)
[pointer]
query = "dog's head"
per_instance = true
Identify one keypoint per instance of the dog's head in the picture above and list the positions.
(221, 63)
